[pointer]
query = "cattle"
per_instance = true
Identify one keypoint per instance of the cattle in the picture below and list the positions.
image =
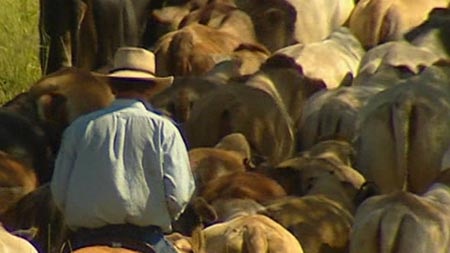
(402, 132)
(388, 63)
(193, 50)
(16, 180)
(333, 60)
(248, 233)
(231, 154)
(281, 78)
(375, 22)
(332, 114)
(340, 151)
(25, 140)
(37, 210)
(319, 209)
(244, 185)
(432, 34)
(177, 100)
(81, 33)
(280, 23)
(403, 222)
(64, 95)
(246, 110)
(224, 16)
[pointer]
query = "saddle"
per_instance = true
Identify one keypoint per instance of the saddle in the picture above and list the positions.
(115, 236)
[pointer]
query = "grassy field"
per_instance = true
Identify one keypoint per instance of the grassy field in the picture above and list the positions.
(19, 45)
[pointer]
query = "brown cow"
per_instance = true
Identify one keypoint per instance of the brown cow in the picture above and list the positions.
(375, 22)
(403, 222)
(402, 132)
(37, 210)
(16, 180)
(249, 185)
(193, 50)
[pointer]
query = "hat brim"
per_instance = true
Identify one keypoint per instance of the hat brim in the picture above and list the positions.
(138, 76)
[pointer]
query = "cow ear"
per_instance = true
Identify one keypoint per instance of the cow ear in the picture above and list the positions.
(51, 108)
(206, 212)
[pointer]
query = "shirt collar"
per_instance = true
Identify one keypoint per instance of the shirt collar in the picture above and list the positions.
(122, 102)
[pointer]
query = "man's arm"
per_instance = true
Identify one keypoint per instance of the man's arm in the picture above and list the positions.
(63, 168)
(178, 179)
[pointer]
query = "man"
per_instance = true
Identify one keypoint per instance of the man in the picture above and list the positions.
(123, 171)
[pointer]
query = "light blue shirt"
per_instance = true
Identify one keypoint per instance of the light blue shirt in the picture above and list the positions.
(122, 164)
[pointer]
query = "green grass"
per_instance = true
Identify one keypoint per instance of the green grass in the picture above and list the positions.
(19, 45)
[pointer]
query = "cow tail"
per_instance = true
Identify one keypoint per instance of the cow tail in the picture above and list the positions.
(401, 123)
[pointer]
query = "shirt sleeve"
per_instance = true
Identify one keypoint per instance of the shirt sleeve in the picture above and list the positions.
(63, 168)
(178, 179)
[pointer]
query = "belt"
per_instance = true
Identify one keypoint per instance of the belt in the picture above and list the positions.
(148, 234)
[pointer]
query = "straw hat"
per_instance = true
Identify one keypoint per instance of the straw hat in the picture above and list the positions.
(136, 64)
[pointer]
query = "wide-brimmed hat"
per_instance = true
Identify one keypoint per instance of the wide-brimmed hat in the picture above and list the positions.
(136, 64)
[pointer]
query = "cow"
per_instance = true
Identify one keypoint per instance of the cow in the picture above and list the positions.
(320, 204)
(432, 34)
(231, 154)
(332, 114)
(17, 179)
(64, 95)
(280, 23)
(81, 33)
(224, 16)
(333, 60)
(177, 100)
(243, 109)
(245, 185)
(375, 22)
(281, 78)
(37, 210)
(248, 233)
(402, 132)
(388, 63)
(193, 50)
(402, 221)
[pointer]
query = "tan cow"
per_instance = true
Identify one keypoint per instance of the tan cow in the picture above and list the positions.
(403, 222)
(193, 50)
(251, 234)
(402, 132)
(375, 21)
(231, 154)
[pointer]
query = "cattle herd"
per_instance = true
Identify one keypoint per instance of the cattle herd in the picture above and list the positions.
(315, 126)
